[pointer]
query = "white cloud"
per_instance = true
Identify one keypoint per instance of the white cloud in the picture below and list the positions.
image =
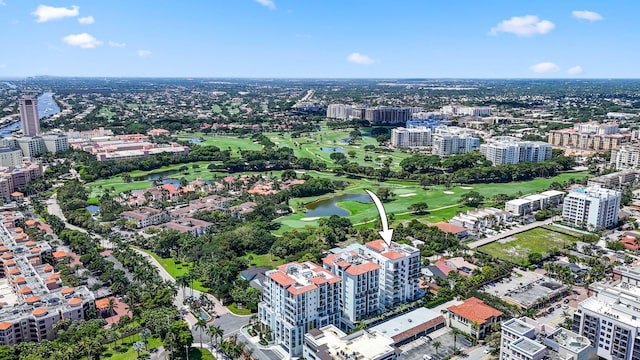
(116, 44)
(83, 40)
(359, 59)
(86, 20)
(267, 3)
(3, 66)
(46, 13)
(545, 67)
(144, 53)
(587, 15)
(576, 70)
(2, 3)
(527, 25)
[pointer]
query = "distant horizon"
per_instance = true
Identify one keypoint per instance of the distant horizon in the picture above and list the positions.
(35, 77)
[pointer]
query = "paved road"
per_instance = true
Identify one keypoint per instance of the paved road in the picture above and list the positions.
(490, 239)
(230, 323)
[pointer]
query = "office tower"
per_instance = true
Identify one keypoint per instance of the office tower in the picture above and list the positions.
(29, 115)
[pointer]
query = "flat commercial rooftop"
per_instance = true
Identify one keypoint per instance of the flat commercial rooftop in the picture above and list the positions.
(406, 322)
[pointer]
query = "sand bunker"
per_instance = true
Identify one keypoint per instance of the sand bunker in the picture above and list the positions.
(466, 187)
(312, 218)
(407, 195)
(449, 192)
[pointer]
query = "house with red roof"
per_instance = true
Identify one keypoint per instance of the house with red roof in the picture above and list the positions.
(457, 231)
(473, 317)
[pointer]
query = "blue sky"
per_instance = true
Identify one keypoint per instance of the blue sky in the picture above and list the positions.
(321, 38)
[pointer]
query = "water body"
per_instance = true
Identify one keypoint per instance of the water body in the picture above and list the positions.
(46, 107)
(195, 140)
(333, 149)
(93, 209)
(157, 176)
(328, 207)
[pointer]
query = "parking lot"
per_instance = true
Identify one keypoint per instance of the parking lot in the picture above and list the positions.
(416, 350)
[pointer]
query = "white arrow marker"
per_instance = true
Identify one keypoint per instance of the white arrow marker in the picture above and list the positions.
(386, 233)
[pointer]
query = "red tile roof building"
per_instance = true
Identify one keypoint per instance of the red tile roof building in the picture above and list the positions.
(473, 310)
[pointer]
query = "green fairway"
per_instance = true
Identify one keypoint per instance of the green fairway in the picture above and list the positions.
(539, 240)
(408, 193)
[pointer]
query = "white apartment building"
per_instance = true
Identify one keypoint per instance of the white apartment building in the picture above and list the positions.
(594, 208)
(296, 298)
(389, 115)
(453, 140)
(509, 150)
(31, 146)
(399, 271)
(339, 111)
(610, 318)
(526, 204)
(55, 142)
(626, 157)
(411, 137)
(331, 343)
(526, 339)
(594, 127)
(481, 219)
(460, 110)
(360, 285)
(10, 156)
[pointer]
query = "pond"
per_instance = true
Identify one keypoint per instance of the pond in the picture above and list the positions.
(195, 140)
(333, 149)
(328, 207)
(157, 175)
(93, 208)
(202, 314)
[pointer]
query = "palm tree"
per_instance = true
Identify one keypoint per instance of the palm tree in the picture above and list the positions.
(455, 332)
(183, 282)
(111, 305)
(201, 326)
(216, 332)
(145, 334)
(138, 346)
(475, 325)
(436, 345)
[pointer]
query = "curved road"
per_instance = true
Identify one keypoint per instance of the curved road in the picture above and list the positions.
(229, 322)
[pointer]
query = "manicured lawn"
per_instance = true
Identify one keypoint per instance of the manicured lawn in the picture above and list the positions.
(538, 240)
(196, 353)
(234, 309)
(130, 354)
(268, 260)
(174, 269)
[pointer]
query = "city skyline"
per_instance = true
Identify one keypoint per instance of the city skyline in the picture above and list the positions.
(283, 38)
